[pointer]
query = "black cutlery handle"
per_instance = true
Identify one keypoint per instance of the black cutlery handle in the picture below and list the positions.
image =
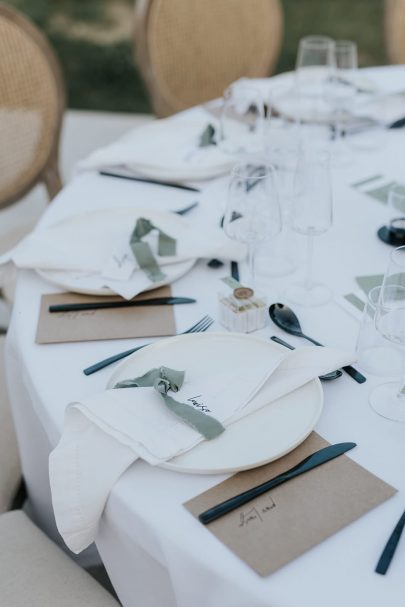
(109, 361)
(309, 463)
(235, 270)
(390, 548)
(168, 184)
(104, 305)
(356, 375)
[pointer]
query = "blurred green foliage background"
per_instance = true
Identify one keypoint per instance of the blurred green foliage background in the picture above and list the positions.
(93, 39)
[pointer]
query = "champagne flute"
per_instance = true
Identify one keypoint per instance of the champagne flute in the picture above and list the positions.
(252, 214)
(341, 91)
(314, 68)
(312, 215)
(388, 399)
(242, 120)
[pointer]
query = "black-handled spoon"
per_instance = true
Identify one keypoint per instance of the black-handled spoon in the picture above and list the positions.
(285, 319)
(327, 377)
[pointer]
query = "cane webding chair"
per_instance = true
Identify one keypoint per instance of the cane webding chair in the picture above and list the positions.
(32, 101)
(395, 30)
(189, 51)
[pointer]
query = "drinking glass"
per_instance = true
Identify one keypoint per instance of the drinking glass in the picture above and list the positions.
(341, 91)
(252, 214)
(312, 215)
(375, 354)
(242, 120)
(388, 399)
(314, 68)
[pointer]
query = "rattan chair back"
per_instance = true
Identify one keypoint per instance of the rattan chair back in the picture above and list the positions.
(32, 101)
(189, 51)
(395, 30)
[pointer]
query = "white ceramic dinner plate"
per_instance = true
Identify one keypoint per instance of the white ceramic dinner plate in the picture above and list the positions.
(92, 283)
(254, 440)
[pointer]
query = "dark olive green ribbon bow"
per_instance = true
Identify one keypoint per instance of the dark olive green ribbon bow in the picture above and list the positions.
(164, 379)
(143, 253)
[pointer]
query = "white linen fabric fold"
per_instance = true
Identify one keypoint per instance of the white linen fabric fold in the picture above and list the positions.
(106, 433)
(98, 243)
(166, 149)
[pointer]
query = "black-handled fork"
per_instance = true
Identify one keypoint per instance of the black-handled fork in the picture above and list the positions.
(201, 326)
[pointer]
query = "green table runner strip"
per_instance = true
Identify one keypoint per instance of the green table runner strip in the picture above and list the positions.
(355, 301)
(143, 253)
(366, 283)
(164, 379)
(357, 184)
(381, 193)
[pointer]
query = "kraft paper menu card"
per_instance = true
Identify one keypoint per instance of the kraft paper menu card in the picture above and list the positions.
(91, 325)
(277, 527)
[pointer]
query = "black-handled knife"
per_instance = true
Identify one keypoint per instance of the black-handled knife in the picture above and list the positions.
(316, 459)
(102, 305)
(390, 547)
(168, 184)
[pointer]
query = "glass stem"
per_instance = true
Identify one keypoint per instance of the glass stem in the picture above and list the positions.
(401, 390)
(251, 264)
(308, 271)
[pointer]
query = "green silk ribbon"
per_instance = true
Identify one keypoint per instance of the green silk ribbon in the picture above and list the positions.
(164, 379)
(143, 253)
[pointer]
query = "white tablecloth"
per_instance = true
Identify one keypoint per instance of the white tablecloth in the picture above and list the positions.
(155, 552)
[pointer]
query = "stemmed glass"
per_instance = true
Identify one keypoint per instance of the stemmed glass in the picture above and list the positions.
(252, 214)
(340, 91)
(242, 120)
(388, 399)
(312, 215)
(314, 68)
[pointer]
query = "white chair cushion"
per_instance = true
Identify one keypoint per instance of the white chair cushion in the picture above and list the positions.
(34, 572)
(10, 471)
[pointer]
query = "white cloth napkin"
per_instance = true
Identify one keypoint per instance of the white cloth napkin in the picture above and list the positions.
(106, 433)
(166, 149)
(97, 243)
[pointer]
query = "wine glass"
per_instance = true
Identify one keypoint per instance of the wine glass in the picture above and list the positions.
(312, 215)
(242, 120)
(388, 399)
(314, 68)
(252, 214)
(341, 91)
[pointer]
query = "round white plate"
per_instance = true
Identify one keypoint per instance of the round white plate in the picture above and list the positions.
(92, 283)
(257, 439)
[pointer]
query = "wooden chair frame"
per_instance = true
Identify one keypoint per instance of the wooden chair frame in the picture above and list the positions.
(163, 105)
(48, 173)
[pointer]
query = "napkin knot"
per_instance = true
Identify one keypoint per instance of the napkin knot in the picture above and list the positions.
(164, 379)
(143, 253)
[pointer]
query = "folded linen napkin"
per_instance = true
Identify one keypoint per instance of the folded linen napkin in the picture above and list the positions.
(104, 434)
(167, 149)
(98, 243)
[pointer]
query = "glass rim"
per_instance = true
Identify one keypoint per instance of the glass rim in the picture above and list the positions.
(316, 42)
(345, 43)
(240, 169)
